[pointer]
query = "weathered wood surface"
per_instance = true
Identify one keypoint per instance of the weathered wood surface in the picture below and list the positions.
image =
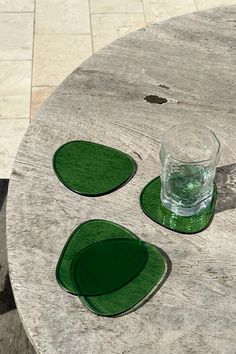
(13, 339)
(191, 62)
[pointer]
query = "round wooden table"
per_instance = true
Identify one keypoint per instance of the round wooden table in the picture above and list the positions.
(191, 62)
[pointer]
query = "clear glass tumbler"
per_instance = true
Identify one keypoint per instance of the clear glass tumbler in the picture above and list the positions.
(189, 155)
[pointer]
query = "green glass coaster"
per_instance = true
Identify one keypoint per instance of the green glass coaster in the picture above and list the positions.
(85, 235)
(133, 294)
(108, 265)
(92, 169)
(144, 267)
(151, 205)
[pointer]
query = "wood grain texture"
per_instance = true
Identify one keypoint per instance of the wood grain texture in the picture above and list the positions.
(191, 62)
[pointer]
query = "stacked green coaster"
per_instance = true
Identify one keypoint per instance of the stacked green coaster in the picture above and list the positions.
(92, 169)
(151, 205)
(109, 268)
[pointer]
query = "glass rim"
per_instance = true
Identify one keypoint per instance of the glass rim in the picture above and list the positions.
(192, 162)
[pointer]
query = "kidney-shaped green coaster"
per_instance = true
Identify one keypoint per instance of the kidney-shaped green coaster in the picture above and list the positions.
(151, 205)
(109, 268)
(92, 169)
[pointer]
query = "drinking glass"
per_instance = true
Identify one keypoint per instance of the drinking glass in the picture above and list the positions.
(189, 155)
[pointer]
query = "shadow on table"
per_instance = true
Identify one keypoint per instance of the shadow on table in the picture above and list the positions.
(226, 187)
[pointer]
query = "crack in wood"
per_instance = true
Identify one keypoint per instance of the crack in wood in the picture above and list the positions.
(138, 155)
(164, 86)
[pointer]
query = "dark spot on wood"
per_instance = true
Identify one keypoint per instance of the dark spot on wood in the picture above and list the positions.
(138, 155)
(164, 86)
(211, 271)
(155, 99)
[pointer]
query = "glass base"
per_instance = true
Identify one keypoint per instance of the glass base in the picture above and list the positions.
(152, 206)
(185, 211)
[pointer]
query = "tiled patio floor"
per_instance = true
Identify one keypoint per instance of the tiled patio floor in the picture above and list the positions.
(42, 41)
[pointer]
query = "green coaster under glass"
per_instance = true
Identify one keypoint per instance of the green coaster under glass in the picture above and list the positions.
(92, 169)
(151, 205)
(109, 268)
